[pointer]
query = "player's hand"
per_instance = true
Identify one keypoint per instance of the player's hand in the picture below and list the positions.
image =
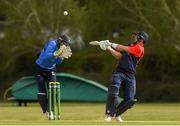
(60, 50)
(104, 44)
(66, 53)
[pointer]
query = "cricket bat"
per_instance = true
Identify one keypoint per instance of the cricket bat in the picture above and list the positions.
(94, 43)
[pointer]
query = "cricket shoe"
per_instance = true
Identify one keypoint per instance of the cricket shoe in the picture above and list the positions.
(50, 115)
(118, 118)
(108, 118)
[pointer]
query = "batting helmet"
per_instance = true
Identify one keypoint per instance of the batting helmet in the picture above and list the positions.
(143, 36)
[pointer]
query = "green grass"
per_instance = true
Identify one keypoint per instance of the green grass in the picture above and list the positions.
(91, 114)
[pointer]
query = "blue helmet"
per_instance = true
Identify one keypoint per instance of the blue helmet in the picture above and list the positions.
(143, 36)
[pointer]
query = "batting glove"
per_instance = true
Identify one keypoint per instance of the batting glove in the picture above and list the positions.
(104, 44)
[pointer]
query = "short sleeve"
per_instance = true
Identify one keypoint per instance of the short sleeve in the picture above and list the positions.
(136, 50)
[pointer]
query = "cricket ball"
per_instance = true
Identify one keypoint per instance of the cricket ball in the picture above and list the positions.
(65, 13)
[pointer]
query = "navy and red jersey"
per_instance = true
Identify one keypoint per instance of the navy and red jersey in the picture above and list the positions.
(129, 61)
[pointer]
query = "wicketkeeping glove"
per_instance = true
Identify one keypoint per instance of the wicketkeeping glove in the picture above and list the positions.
(60, 50)
(66, 53)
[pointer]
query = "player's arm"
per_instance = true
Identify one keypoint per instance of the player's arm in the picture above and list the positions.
(120, 47)
(105, 43)
(136, 50)
(49, 50)
(59, 60)
(114, 53)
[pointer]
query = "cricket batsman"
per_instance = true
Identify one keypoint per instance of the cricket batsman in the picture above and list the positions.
(124, 75)
(53, 53)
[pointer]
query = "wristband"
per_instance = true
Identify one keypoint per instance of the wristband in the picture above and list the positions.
(114, 45)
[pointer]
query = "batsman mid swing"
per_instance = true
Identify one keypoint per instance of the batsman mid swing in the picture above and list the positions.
(124, 75)
(53, 53)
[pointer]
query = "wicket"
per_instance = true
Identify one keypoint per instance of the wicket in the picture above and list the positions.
(54, 99)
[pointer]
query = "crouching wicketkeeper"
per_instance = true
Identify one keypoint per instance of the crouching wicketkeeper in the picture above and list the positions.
(53, 53)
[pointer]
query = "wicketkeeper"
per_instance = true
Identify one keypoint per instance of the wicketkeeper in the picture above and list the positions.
(124, 75)
(53, 53)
